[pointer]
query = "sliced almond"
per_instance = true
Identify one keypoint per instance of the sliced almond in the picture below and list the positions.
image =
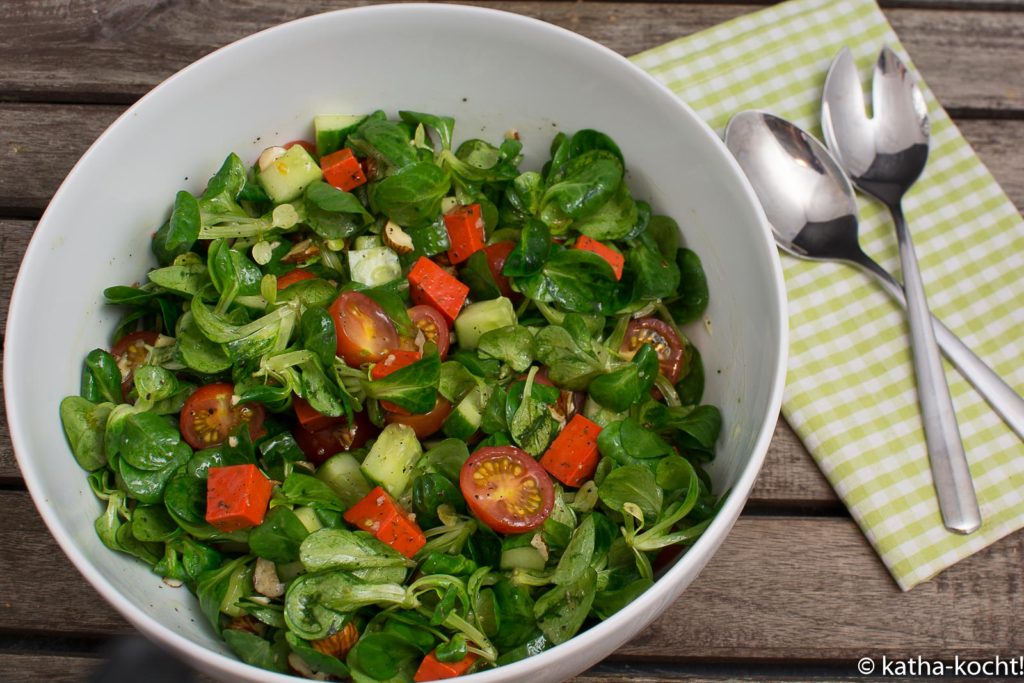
(396, 238)
(265, 579)
(301, 252)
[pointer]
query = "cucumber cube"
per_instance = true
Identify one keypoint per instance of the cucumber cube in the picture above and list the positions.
(287, 177)
(481, 317)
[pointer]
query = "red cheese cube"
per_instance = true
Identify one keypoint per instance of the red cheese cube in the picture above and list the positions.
(431, 285)
(379, 514)
(465, 228)
(572, 457)
(614, 258)
(342, 170)
(236, 497)
(432, 669)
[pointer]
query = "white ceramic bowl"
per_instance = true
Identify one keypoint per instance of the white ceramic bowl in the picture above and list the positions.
(492, 71)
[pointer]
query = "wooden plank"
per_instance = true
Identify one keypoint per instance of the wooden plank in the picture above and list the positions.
(808, 589)
(39, 144)
(117, 51)
(32, 668)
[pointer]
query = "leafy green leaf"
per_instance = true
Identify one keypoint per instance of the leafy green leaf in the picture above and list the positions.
(570, 365)
(561, 611)
(106, 374)
(512, 345)
(633, 484)
(575, 279)
(413, 387)
(149, 442)
(613, 220)
(84, 425)
(257, 651)
(530, 253)
(693, 288)
(279, 537)
(441, 125)
(411, 197)
(579, 187)
(334, 214)
(656, 277)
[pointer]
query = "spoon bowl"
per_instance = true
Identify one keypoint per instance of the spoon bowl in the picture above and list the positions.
(811, 207)
(885, 155)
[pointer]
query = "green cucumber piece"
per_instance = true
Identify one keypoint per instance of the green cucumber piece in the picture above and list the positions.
(391, 460)
(307, 516)
(481, 317)
(523, 557)
(465, 419)
(330, 131)
(287, 177)
(374, 266)
(366, 242)
(341, 472)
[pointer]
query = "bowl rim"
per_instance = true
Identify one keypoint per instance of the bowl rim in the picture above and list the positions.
(664, 588)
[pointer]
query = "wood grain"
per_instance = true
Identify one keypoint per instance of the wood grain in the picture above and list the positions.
(96, 51)
(778, 589)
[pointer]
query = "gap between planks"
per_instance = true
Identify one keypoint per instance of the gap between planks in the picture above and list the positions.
(116, 52)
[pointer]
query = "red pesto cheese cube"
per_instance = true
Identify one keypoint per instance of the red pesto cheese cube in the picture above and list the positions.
(342, 170)
(379, 514)
(431, 285)
(614, 258)
(431, 669)
(236, 497)
(395, 360)
(465, 228)
(572, 457)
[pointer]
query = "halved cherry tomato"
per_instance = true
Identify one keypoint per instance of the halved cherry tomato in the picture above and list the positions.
(131, 352)
(507, 489)
(365, 332)
(322, 444)
(305, 144)
(497, 254)
(434, 327)
(424, 424)
(293, 276)
(208, 417)
(665, 340)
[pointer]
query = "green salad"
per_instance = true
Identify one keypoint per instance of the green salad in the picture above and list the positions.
(397, 410)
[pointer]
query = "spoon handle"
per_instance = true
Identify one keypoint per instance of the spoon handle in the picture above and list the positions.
(1000, 395)
(953, 485)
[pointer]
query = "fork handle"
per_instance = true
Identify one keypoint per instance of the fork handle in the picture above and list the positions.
(953, 485)
(993, 388)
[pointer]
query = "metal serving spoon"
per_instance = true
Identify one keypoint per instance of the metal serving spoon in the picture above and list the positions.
(810, 205)
(884, 156)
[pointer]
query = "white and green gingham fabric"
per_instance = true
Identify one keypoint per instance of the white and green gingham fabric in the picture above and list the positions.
(850, 393)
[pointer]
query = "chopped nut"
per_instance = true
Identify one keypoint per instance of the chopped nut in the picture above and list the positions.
(298, 665)
(340, 643)
(397, 239)
(538, 542)
(247, 623)
(301, 252)
(265, 580)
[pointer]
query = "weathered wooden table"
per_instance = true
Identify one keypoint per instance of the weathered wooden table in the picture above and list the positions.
(795, 591)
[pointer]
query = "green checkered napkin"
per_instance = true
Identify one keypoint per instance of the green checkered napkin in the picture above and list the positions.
(850, 394)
